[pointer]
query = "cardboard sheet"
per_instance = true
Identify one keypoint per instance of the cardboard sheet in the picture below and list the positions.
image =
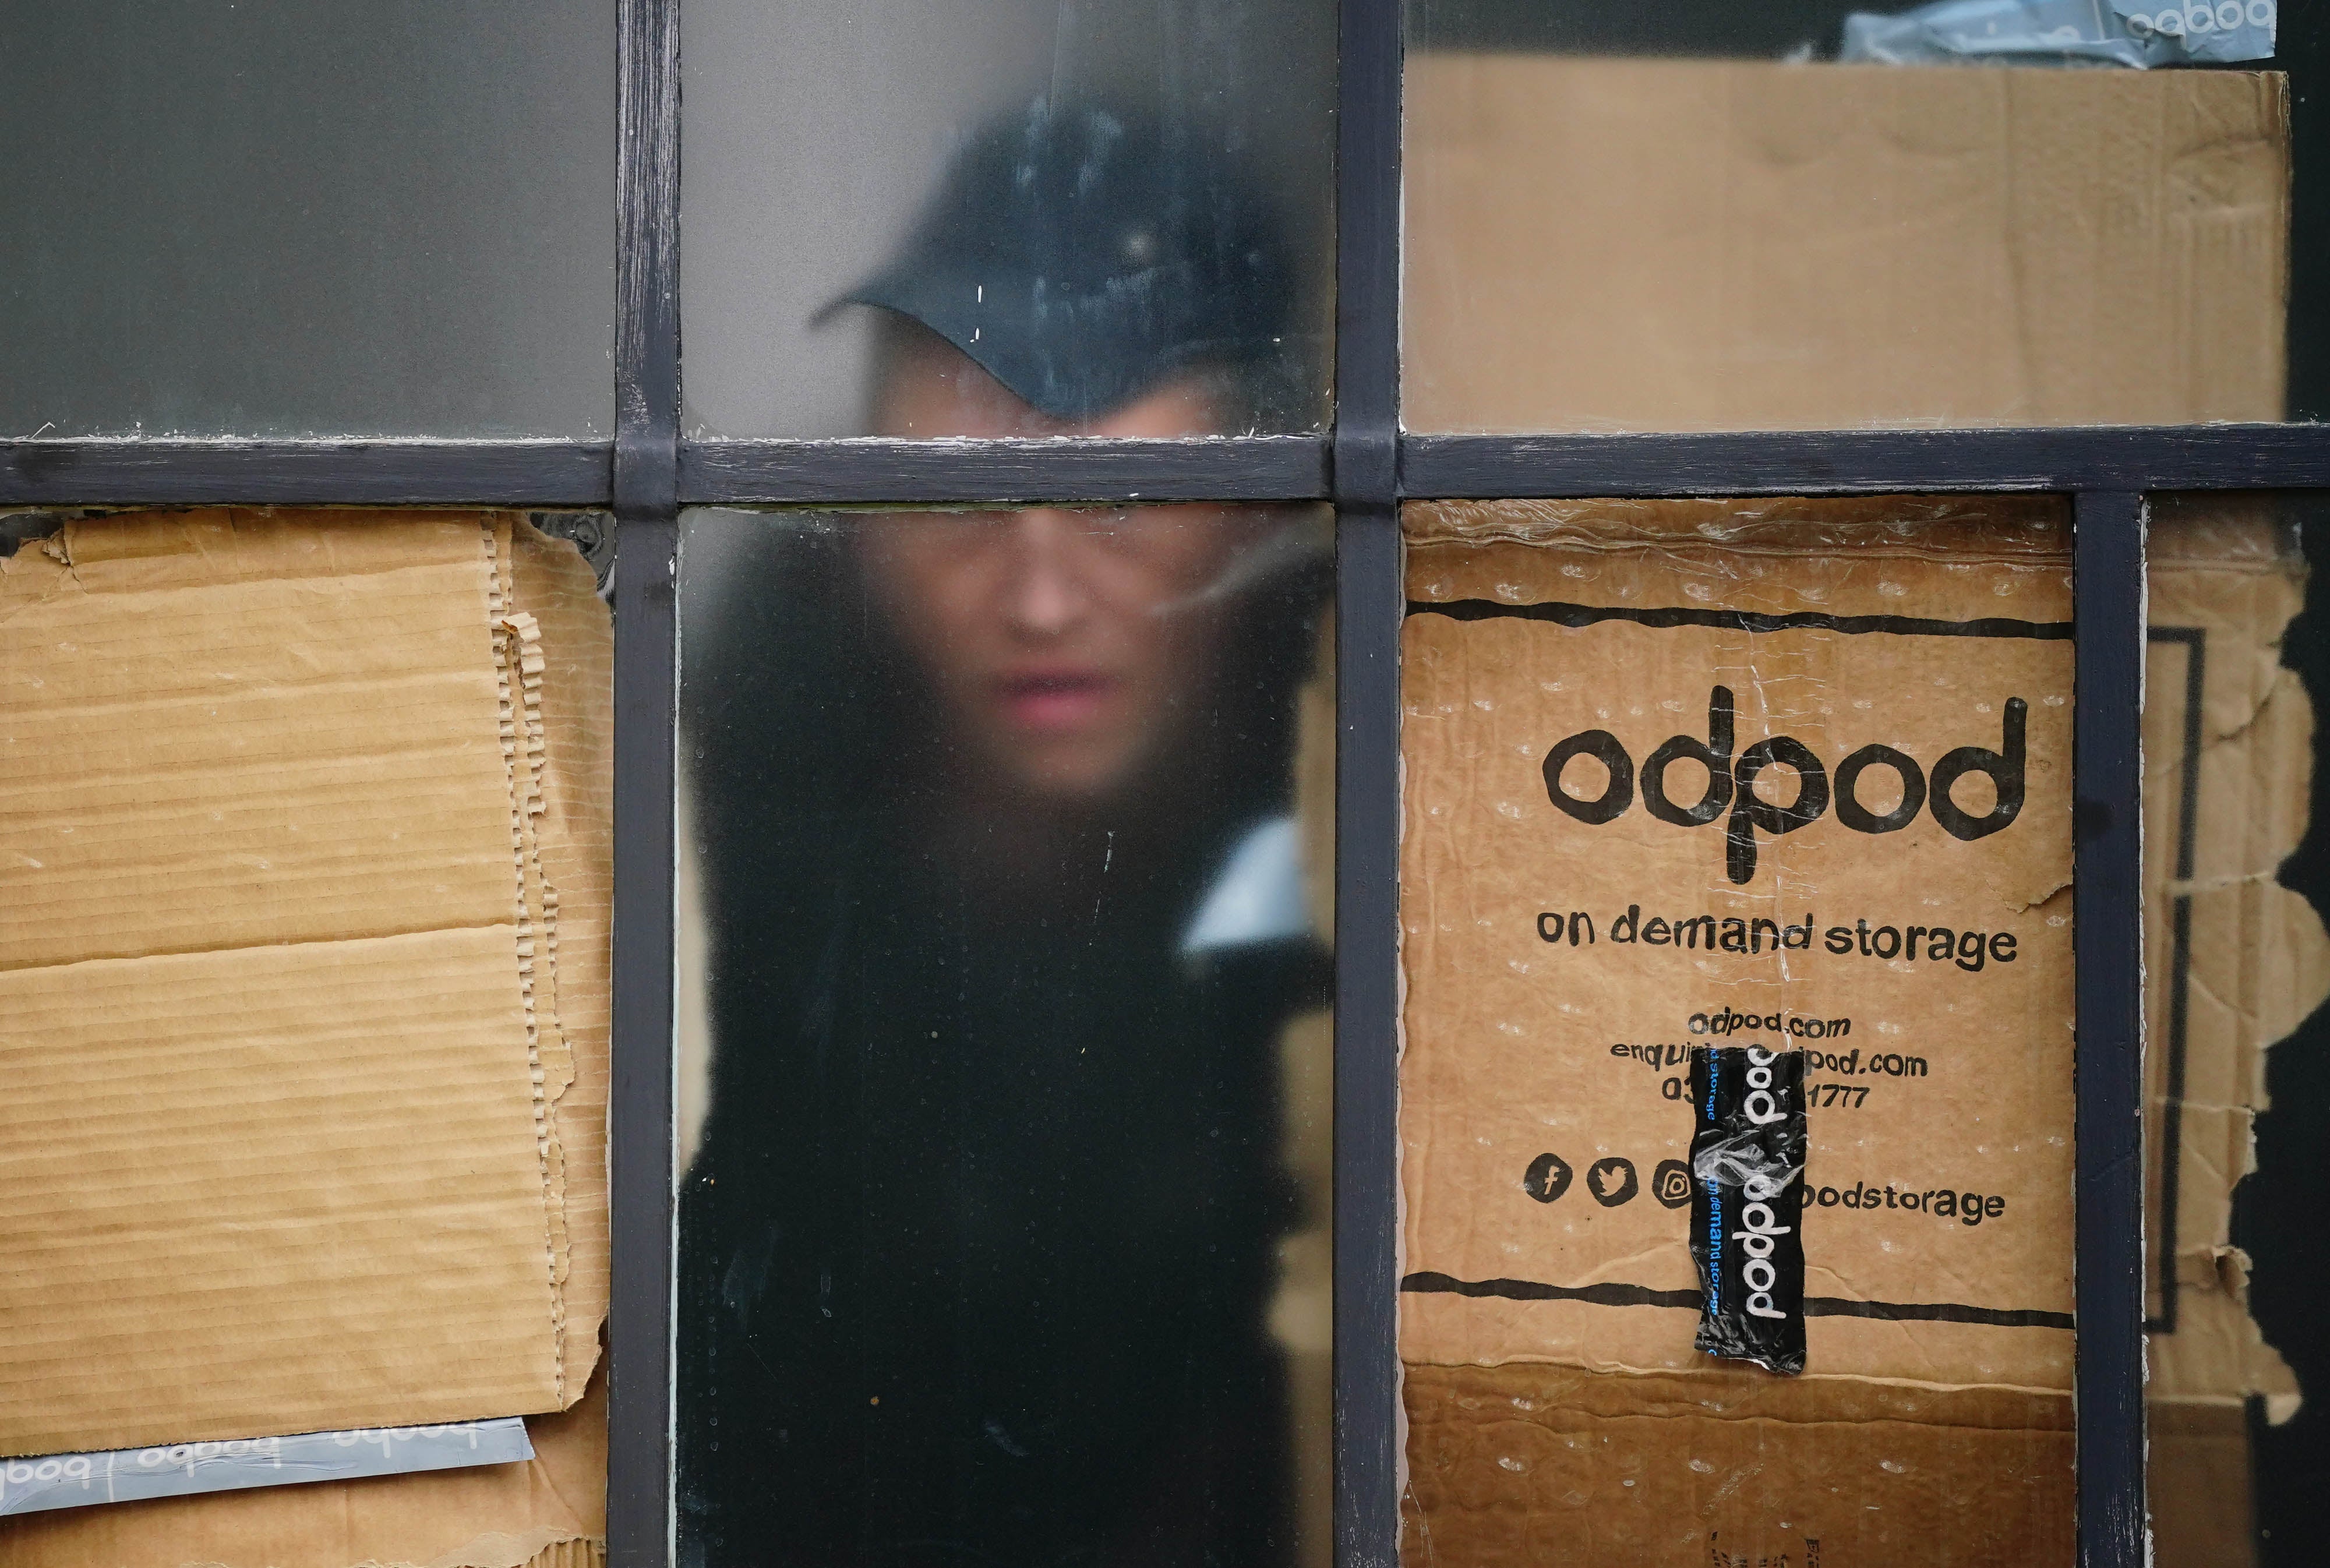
(1553, 994)
(2233, 962)
(1683, 245)
(290, 1138)
(1532, 1463)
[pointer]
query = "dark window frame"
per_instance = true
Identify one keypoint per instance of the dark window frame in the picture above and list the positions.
(1365, 466)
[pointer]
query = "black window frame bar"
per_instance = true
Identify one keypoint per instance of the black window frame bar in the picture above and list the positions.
(1367, 466)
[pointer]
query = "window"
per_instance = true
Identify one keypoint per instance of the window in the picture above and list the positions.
(774, 508)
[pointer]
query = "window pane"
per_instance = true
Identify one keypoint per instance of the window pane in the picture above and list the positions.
(1736, 1091)
(2236, 966)
(1685, 216)
(1006, 1045)
(1054, 210)
(272, 218)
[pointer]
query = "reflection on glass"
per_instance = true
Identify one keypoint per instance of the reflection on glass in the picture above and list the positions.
(1685, 216)
(2236, 966)
(1080, 198)
(280, 219)
(1004, 1057)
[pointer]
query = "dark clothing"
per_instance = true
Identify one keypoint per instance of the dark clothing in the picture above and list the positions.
(976, 1257)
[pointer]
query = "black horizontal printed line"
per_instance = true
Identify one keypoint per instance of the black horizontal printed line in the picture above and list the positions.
(1584, 614)
(1430, 1283)
(1935, 1312)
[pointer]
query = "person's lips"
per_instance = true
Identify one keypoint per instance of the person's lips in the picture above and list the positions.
(1055, 699)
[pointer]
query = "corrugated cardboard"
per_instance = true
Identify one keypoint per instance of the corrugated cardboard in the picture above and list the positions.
(1532, 1463)
(553, 584)
(2200, 1490)
(2233, 961)
(285, 860)
(1554, 1395)
(1677, 245)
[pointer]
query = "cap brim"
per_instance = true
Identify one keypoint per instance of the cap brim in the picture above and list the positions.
(1102, 370)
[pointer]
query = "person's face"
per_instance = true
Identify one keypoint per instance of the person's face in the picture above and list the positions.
(1068, 645)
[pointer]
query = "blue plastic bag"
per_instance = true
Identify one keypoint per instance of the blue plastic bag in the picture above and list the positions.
(2131, 33)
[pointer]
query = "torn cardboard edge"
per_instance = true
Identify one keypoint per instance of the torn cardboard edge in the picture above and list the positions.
(550, 1064)
(2009, 525)
(568, 677)
(2234, 961)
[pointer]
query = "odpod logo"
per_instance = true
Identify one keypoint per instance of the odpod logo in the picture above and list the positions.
(1731, 780)
(1762, 1226)
(1759, 1224)
(1746, 1153)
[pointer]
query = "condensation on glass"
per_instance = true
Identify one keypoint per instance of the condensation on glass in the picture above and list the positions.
(2236, 966)
(1687, 217)
(1006, 1050)
(1076, 205)
(274, 219)
(1736, 1092)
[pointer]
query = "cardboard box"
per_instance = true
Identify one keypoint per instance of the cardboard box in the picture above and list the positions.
(304, 869)
(1558, 1407)
(1680, 245)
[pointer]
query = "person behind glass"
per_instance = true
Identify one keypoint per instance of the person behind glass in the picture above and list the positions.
(977, 1256)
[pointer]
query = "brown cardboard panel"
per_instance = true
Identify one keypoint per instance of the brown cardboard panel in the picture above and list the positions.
(2233, 961)
(548, 1513)
(1543, 1018)
(206, 735)
(289, 1188)
(281, 1131)
(2200, 1492)
(1683, 245)
(1529, 1463)
(1509, 1037)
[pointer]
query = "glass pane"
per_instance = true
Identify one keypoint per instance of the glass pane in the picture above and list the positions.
(2238, 967)
(1736, 1092)
(1685, 216)
(1053, 213)
(1006, 1045)
(278, 220)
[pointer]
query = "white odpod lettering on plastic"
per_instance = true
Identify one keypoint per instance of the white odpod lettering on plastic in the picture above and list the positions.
(1761, 1225)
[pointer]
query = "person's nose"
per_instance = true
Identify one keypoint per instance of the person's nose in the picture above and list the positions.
(1045, 598)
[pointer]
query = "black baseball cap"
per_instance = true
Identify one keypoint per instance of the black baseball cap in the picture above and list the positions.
(1081, 254)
